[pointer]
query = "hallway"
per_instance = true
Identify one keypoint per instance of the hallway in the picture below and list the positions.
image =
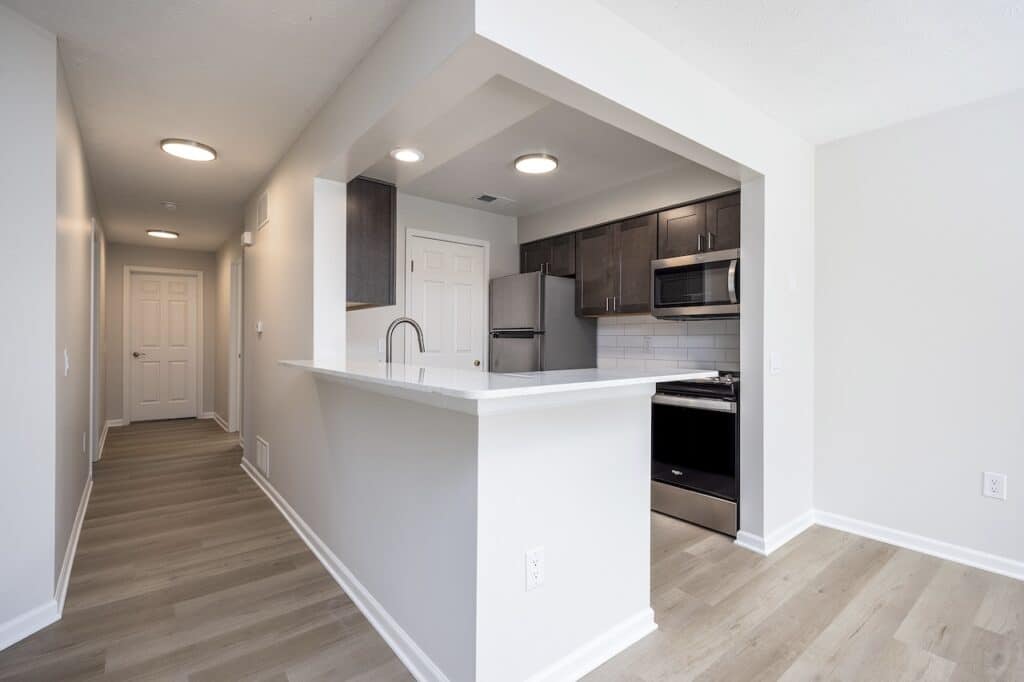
(185, 570)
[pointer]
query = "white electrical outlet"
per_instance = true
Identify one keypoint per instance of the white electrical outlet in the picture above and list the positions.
(263, 456)
(994, 485)
(380, 345)
(534, 568)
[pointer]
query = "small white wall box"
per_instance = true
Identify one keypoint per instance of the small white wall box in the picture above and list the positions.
(247, 239)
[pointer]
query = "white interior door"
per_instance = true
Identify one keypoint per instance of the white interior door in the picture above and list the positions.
(163, 337)
(446, 296)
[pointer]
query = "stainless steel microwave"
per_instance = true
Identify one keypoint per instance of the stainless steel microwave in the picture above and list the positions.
(702, 285)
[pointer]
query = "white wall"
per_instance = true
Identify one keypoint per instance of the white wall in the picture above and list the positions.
(365, 327)
(75, 212)
(99, 339)
(676, 186)
(120, 255)
(920, 326)
(28, 178)
(229, 252)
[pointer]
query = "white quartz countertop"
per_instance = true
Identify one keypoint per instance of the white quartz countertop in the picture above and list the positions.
(476, 385)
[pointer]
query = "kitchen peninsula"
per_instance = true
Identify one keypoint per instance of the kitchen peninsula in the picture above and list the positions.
(473, 508)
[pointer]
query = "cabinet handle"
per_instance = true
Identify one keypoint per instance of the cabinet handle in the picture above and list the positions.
(711, 241)
(700, 242)
(615, 303)
(606, 299)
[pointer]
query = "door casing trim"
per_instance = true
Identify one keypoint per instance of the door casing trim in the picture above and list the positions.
(126, 325)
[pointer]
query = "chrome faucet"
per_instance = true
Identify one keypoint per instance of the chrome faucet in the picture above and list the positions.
(391, 331)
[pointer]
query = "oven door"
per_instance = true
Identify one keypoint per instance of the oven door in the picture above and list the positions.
(694, 460)
(701, 285)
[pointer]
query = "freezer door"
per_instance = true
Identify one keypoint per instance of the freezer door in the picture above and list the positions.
(516, 351)
(517, 302)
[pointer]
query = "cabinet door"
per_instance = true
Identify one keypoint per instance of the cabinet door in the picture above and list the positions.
(534, 256)
(370, 228)
(723, 217)
(681, 231)
(595, 271)
(636, 246)
(563, 255)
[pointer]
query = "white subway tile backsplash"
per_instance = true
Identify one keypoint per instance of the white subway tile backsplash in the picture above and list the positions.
(697, 341)
(664, 341)
(639, 341)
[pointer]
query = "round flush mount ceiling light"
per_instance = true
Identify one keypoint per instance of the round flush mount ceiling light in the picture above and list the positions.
(162, 234)
(536, 164)
(407, 155)
(188, 149)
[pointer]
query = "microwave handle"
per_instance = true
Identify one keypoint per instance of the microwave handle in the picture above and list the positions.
(733, 298)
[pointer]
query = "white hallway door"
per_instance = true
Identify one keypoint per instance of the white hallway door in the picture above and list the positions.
(163, 337)
(446, 296)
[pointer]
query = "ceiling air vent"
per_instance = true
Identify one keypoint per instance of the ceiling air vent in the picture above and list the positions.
(486, 198)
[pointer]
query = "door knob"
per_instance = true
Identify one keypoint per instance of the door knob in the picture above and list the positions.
(476, 363)
(137, 354)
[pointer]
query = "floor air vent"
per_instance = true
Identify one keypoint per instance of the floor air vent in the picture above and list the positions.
(486, 198)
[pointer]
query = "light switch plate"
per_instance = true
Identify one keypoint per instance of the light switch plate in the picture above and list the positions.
(67, 361)
(534, 568)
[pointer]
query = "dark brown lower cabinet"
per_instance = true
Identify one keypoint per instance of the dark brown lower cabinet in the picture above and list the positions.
(371, 235)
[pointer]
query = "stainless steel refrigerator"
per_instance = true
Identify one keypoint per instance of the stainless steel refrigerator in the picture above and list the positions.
(534, 325)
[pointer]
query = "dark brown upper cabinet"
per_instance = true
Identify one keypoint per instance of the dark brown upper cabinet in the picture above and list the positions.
(595, 279)
(681, 231)
(724, 222)
(613, 267)
(636, 246)
(552, 256)
(371, 236)
(712, 225)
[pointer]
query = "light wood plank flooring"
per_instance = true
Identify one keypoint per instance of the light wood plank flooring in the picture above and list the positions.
(185, 571)
(826, 606)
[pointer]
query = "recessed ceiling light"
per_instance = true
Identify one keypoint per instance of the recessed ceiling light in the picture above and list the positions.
(188, 149)
(162, 234)
(535, 164)
(407, 155)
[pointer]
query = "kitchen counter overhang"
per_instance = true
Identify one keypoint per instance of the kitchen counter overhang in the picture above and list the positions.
(476, 392)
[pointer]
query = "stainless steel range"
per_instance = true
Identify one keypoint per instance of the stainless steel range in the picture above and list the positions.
(695, 451)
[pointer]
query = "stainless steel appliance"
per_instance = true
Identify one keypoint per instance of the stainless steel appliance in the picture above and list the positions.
(695, 461)
(702, 285)
(534, 325)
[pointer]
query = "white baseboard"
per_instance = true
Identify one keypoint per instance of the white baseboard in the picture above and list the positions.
(30, 622)
(755, 543)
(69, 554)
(414, 658)
(207, 415)
(778, 537)
(220, 421)
(102, 442)
(599, 650)
(925, 545)
(114, 422)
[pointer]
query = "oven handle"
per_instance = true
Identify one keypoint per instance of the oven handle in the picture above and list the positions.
(695, 403)
(733, 298)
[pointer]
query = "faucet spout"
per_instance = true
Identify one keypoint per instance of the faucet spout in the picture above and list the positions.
(391, 332)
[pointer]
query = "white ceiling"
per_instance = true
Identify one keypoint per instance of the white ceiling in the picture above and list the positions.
(592, 156)
(244, 76)
(832, 68)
